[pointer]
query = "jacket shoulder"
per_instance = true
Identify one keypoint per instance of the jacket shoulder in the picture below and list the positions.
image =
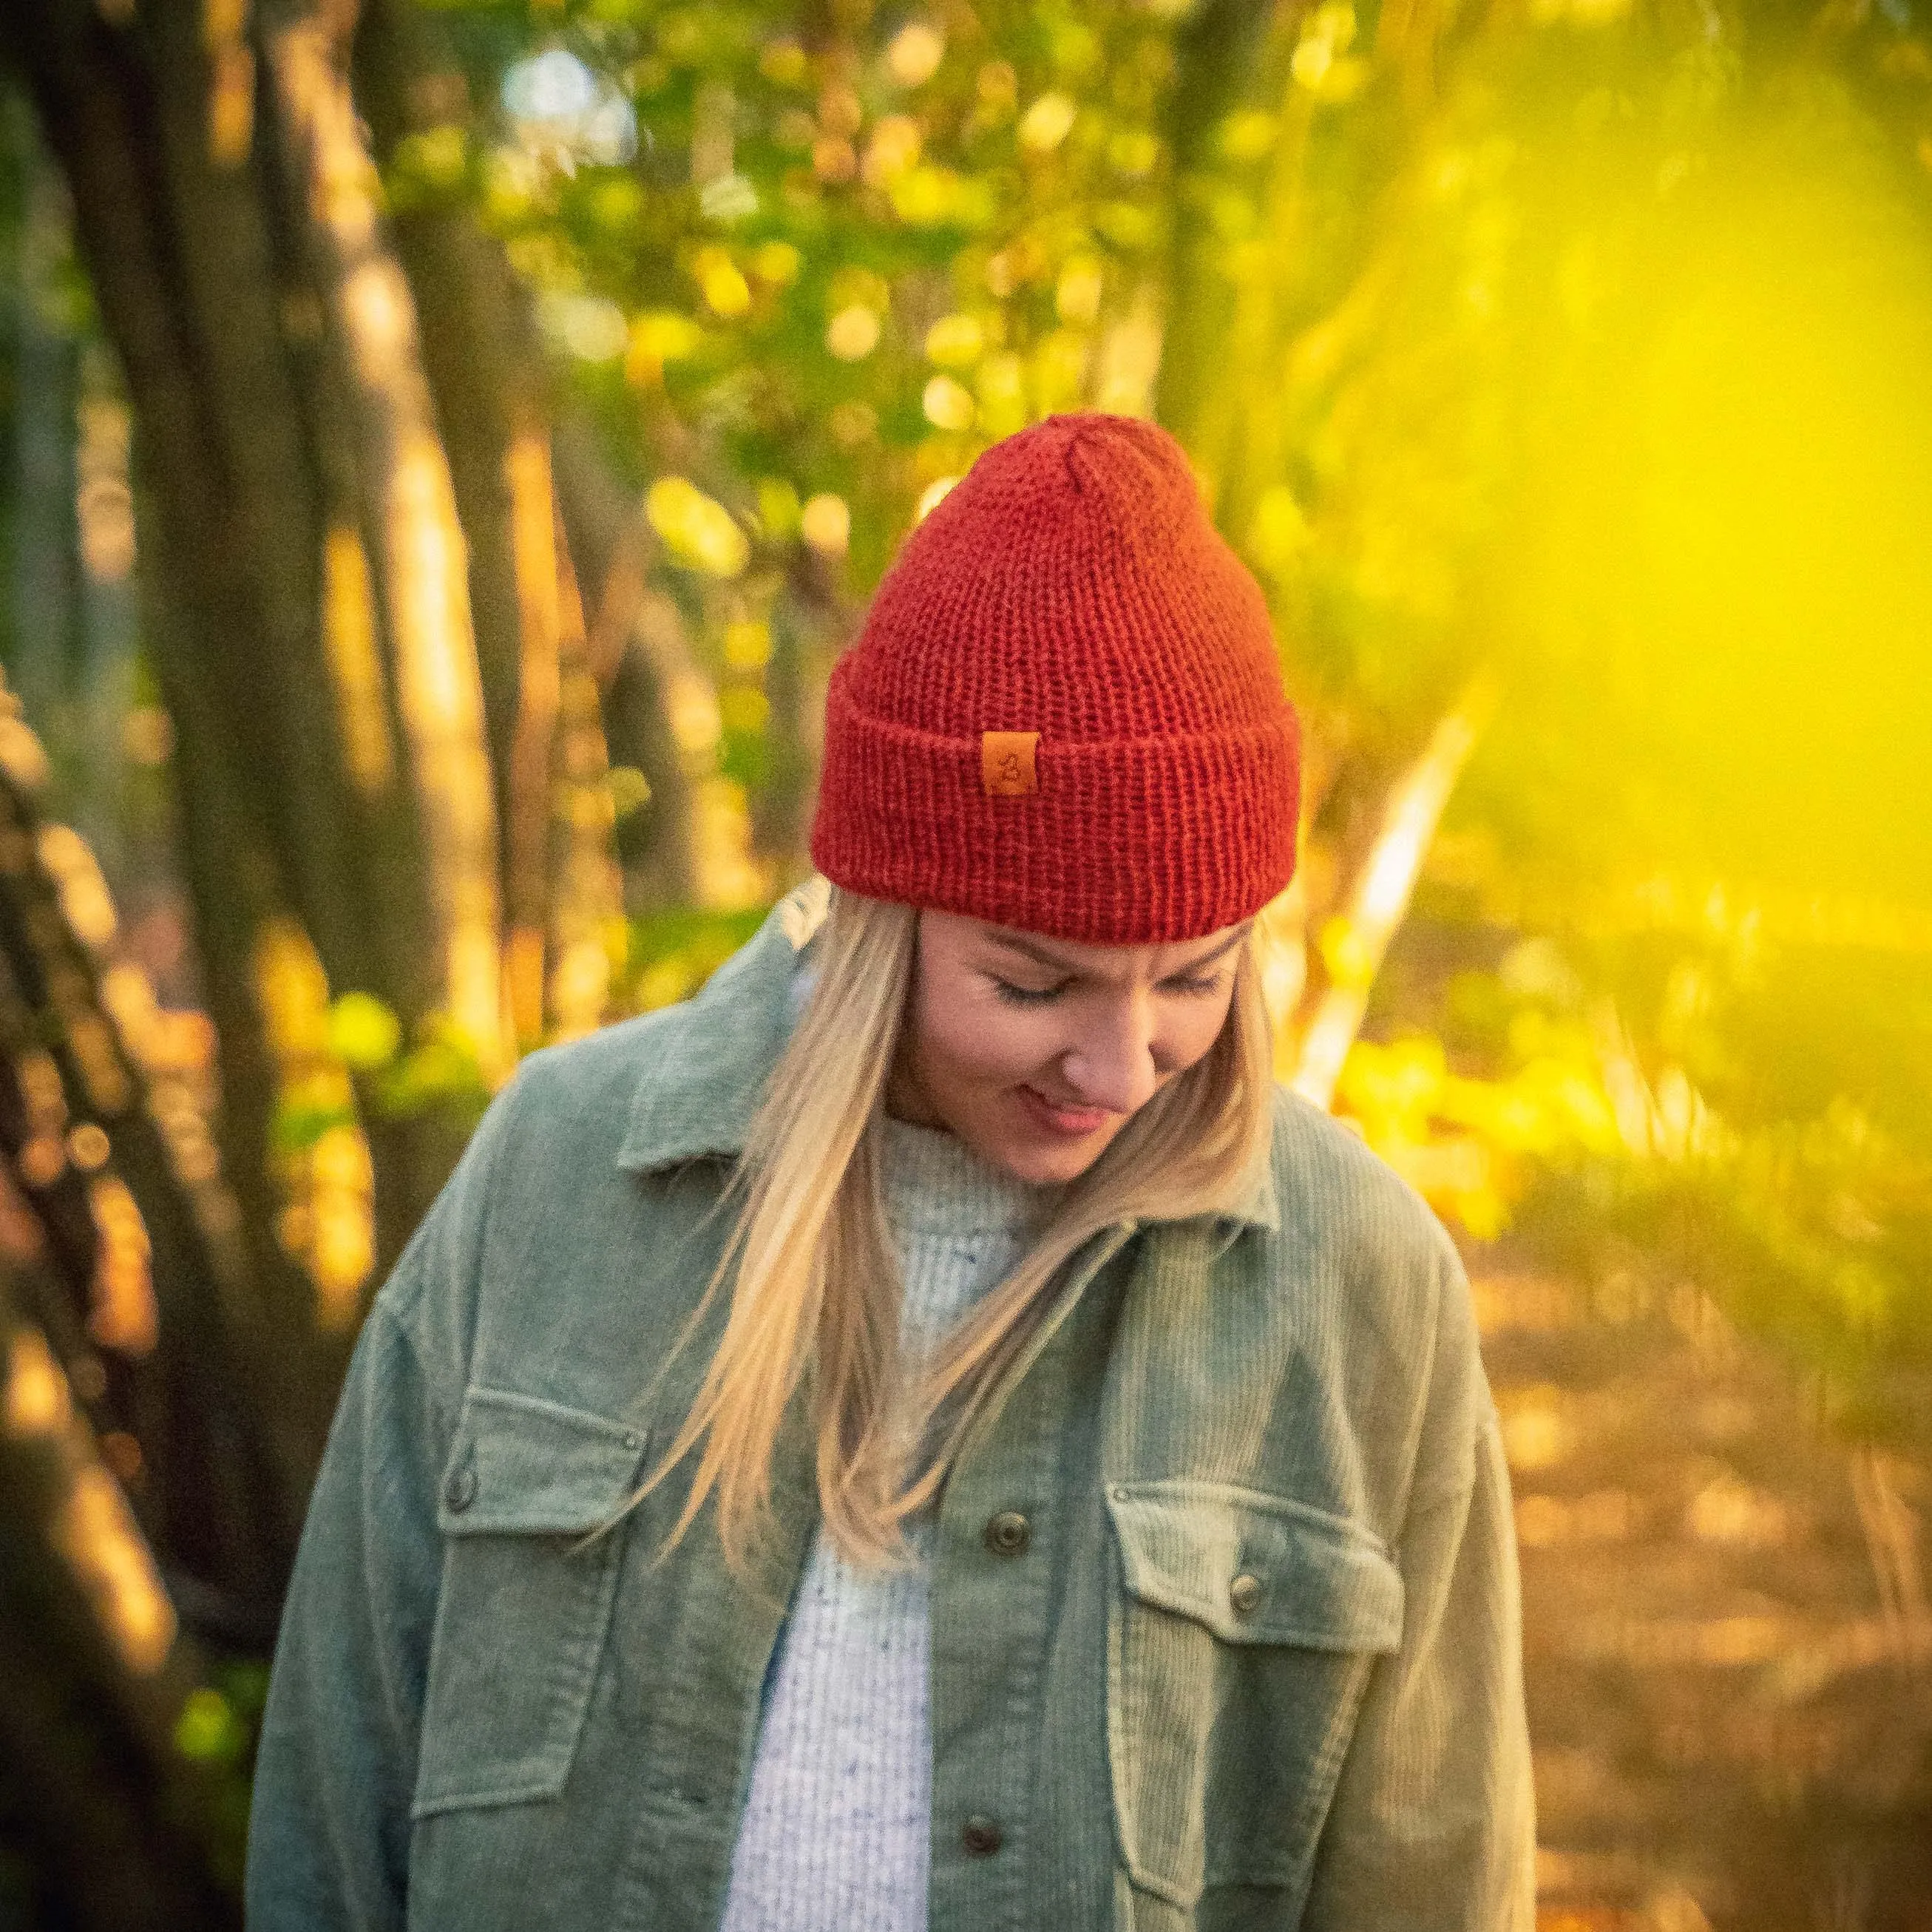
(1376, 1290)
(584, 1090)
(543, 1161)
(1329, 1181)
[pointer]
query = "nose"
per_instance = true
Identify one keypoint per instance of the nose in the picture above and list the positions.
(1113, 1064)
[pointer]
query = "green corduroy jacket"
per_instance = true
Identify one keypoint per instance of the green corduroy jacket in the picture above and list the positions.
(1254, 1663)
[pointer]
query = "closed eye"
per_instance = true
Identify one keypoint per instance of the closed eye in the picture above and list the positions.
(1195, 985)
(1027, 996)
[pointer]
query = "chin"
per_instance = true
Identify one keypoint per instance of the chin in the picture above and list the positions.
(1049, 1166)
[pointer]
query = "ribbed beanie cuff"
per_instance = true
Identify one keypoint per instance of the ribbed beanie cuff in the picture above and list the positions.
(1065, 712)
(1123, 844)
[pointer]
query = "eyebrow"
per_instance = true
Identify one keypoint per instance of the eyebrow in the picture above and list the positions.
(1043, 955)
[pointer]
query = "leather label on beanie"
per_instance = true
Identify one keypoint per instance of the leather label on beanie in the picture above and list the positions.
(1006, 765)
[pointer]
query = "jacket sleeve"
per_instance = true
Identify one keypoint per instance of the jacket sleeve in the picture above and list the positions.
(329, 1833)
(329, 1829)
(1432, 1828)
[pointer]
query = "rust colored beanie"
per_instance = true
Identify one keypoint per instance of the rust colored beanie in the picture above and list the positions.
(1064, 713)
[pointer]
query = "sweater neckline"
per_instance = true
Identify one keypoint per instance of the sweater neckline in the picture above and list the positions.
(932, 1182)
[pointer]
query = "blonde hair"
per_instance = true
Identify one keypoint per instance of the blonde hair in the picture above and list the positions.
(815, 1297)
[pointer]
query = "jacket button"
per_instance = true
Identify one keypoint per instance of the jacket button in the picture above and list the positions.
(1008, 1534)
(459, 1490)
(1244, 1595)
(981, 1837)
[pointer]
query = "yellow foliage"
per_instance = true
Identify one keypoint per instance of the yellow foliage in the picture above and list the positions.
(438, 156)
(1059, 370)
(1248, 135)
(630, 790)
(1468, 1143)
(1346, 953)
(825, 524)
(853, 423)
(1076, 296)
(1134, 152)
(697, 531)
(777, 263)
(1319, 65)
(660, 336)
(893, 149)
(747, 644)
(721, 281)
(744, 707)
(1047, 123)
(125, 1316)
(784, 64)
(208, 1729)
(948, 404)
(852, 333)
(913, 54)
(927, 196)
(778, 507)
(955, 341)
(1280, 535)
(363, 1032)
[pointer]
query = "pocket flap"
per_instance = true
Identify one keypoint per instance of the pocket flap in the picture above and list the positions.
(1257, 1569)
(520, 1464)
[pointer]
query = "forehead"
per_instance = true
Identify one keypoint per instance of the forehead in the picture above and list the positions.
(1122, 964)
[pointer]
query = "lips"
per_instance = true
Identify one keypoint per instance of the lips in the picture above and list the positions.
(1067, 1122)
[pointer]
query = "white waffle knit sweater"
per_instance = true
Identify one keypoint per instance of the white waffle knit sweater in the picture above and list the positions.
(836, 1834)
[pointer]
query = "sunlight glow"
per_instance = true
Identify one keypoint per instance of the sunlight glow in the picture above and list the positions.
(425, 558)
(348, 631)
(92, 1528)
(96, 1534)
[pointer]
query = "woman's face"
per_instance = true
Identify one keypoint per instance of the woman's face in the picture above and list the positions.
(1037, 1052)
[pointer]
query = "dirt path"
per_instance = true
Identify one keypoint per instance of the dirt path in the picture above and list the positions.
(1729, 1652)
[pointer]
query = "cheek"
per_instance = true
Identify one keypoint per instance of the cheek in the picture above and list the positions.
(1190, 1031)
(982, 1043)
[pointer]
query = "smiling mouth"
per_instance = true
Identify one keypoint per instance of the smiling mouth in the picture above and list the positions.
(1072, 1123)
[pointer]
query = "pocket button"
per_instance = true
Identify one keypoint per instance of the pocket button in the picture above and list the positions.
(1244, 1595)
(1008, 1534)
(981, 1837)
(459, 1492)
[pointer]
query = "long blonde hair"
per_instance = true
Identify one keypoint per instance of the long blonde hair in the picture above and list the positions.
(816, 1293)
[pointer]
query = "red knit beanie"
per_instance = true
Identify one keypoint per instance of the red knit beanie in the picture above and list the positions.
(1064, 713)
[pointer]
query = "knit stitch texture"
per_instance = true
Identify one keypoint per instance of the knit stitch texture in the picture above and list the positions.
(836, 1833)
(1072, 586)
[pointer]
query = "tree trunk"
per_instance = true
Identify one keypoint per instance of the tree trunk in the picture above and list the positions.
(104, 506)
(412, 508)
(638, 650)
(274, 457)
(153, 1297)
(119, 1831)
(43, 578)
(1376, 900)
(187, 285)
(484, 368)
(1217, 53)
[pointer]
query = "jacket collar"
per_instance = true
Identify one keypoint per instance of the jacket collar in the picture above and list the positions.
(712, 1056)
(1260, 1205)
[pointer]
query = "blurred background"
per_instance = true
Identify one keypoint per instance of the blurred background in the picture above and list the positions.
(443, 448)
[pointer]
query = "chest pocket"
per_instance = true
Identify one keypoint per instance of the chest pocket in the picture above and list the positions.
(1239, 1645)
(525, 1604)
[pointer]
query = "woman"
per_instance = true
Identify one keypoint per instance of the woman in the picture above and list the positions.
(925, 1434)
